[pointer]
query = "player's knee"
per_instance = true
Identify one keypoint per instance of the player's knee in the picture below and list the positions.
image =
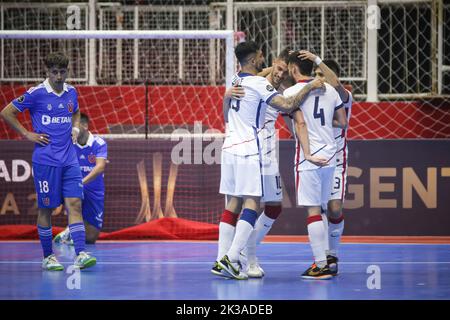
(334, 209)
(251, 203)
(234, 205)
(74, 204)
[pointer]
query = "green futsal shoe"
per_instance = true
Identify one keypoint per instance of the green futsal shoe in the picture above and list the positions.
(84, 260)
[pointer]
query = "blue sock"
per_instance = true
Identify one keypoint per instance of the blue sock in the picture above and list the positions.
(78, 235)
(45, 235)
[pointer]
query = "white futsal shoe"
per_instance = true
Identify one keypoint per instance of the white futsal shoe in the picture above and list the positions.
(52, 264)
(254, 270)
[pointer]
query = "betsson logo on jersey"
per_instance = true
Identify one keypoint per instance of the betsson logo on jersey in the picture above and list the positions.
(46, 120)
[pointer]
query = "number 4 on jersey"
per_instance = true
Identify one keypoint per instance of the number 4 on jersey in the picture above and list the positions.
(318, 113)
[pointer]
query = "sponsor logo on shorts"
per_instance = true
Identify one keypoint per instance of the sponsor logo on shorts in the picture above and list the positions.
(46, 201)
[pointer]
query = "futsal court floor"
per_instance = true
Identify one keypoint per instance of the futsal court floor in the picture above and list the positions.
(173, 270)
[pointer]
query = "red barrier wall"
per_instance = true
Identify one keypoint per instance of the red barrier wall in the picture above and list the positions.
(175, 105)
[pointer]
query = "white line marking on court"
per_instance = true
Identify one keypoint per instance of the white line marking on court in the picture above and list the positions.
(209, 262)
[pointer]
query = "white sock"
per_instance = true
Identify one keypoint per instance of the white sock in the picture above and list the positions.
(250, 250)
(325, 225)
(316, 235)
(335, 232)
(226, 235)
(243, 232)
(262, 227)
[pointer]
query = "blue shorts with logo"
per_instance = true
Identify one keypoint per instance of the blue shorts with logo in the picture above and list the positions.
(92, 208)
(53, 184)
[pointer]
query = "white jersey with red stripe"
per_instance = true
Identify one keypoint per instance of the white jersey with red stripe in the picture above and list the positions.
(318, 110)
(246, 116)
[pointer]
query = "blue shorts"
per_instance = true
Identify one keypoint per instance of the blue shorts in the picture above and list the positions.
(92, 208)
(53, 184)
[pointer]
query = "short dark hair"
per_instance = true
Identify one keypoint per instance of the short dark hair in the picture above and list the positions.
(84, 118)
(244, 49)
(284, 55)
(333, 65)
(56, 59)
(305, 66)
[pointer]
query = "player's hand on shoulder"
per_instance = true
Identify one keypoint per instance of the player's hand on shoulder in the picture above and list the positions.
(42, 138)
(318, 84)
(318, 161)
(236, 92)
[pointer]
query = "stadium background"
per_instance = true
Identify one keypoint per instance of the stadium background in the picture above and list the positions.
(138, 91)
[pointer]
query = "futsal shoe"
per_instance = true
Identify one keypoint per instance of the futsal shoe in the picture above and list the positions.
(254, 270)
(84, 260)
(233, 269)
(316, 273)
(50, 263)
(217, 270)
(63, 237)
(332, 262)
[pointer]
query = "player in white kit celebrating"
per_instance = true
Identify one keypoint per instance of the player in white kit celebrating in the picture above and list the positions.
(328, 70)
(241, 169)
(313, 183)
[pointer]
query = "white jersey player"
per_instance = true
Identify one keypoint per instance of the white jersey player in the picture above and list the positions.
(241, 168)
(313, 183)
(328, 70)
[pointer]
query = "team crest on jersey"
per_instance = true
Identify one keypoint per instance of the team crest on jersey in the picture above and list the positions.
(91, 158)
(21, 99)
(270, 88)
(49, 107)
(46, 201)
(70, 106)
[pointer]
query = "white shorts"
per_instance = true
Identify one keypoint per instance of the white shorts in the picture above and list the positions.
(272, 189)
(240, 176)
(314, 186)
(340, 178)
(271, 177)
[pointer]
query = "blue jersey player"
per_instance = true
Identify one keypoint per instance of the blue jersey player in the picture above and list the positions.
(92, 154)
(55, 117)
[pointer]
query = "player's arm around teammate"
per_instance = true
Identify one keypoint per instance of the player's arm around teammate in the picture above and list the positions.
(290, 104)
(340, 118)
